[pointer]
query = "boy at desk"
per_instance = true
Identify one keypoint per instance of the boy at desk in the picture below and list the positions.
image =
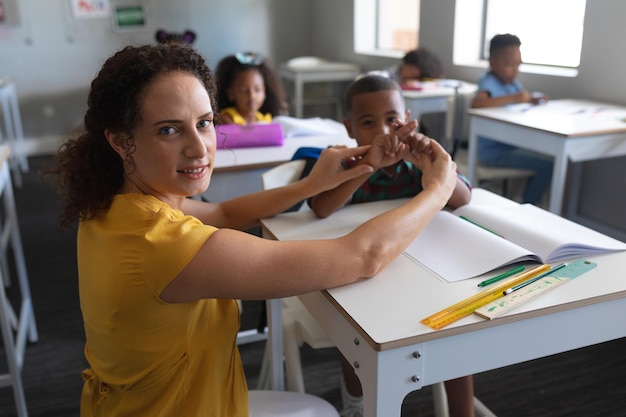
(376, 116)
(499, 87)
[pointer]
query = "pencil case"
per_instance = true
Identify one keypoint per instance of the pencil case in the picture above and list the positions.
(248, 136)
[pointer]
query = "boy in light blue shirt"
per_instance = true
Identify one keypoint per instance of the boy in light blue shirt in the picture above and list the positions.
(499, 87)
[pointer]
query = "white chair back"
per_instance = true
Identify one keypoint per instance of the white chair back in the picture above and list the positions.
(282, 174)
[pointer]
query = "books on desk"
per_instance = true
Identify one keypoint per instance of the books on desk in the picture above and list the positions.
(476, 239)
(313, 126)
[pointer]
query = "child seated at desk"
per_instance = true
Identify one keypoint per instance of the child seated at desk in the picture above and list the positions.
(499, 87)
(419, 69)
(419, 65)
(249, 90)
(376, 116)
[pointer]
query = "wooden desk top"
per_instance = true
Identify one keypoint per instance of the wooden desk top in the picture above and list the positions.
(387, 309)
(567, 117)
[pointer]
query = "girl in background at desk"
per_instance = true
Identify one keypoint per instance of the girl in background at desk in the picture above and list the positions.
(417, 67)
(159, 273)
(249, 90)
(376, 117)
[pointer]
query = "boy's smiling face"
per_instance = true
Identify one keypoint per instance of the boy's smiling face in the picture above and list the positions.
(375, 113)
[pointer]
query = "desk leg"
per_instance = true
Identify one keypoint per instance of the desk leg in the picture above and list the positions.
(385, 385)
(472, 153)
(386, 376)
(299, 95)
(576, 177)
(559, 175)
(451, 116)
(275, 342)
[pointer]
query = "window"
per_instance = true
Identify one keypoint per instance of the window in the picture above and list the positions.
(395, 23)
(549, 45)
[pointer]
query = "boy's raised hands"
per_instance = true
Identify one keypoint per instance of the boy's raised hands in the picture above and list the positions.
(404, 142)
(385, 150)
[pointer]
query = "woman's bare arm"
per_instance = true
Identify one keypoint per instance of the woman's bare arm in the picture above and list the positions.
(232, 264)
(384, 151)
(243, 212)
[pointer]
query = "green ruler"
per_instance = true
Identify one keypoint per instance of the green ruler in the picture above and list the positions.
(515, 299)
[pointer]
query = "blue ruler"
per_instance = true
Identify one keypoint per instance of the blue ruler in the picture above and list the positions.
(550, 281)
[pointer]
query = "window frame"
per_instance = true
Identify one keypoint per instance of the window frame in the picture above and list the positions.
(469, 31)
(365, 39)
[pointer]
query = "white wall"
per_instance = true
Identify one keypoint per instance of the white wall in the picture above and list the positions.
(602, 67)
(602, 62)
(601, 77)
(53, 57)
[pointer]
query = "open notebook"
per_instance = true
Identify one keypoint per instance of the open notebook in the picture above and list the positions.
(457, 249)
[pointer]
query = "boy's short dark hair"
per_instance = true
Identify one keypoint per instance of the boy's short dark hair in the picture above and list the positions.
(499, 42)
(370, 84)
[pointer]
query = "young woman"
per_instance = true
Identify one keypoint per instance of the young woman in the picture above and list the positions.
(159, 273)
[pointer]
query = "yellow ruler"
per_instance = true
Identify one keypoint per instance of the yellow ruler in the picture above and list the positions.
(515, 299)
(466, 307)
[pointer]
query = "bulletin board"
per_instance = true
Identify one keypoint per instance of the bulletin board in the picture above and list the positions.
(129, 17)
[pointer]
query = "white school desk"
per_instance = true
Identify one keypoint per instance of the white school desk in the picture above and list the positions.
(376, 323)
(567, 130)
(238, 170)
(438, 96)
(319, 72)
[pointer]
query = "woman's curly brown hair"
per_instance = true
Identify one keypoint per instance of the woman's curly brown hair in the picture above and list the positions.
(89, 172)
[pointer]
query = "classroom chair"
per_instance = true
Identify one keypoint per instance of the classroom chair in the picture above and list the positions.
(300, 327)
(264, 403)
(503, 176)
(17, 324)
(250, 335)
